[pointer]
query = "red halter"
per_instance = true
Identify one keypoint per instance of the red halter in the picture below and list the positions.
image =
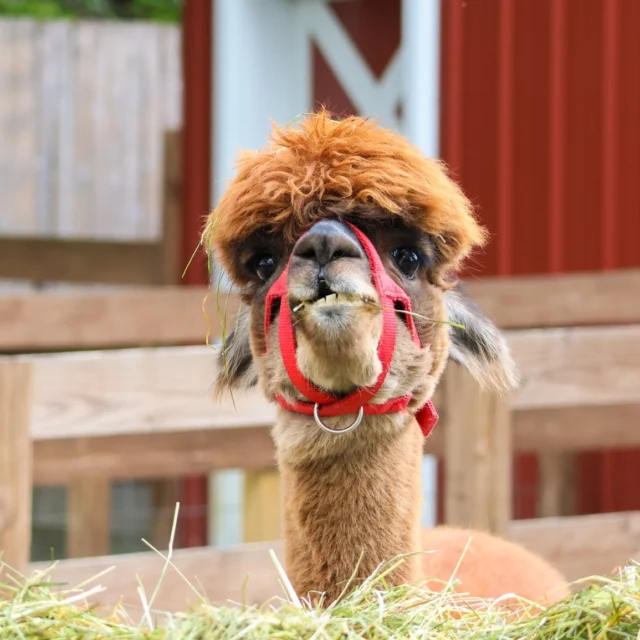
(391, 296)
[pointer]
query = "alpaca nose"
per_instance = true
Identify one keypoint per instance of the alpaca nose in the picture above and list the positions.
(326, 241)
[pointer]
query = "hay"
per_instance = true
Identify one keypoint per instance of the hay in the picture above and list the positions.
(605, 608)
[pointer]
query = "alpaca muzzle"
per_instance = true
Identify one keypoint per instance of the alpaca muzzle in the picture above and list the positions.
(321, 404)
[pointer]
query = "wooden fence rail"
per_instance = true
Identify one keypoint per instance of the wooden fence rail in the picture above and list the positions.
(164, 315)
(580, 545)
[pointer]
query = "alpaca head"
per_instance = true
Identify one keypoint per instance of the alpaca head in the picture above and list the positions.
(326, 201)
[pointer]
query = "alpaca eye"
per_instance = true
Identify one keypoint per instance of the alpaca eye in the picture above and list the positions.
(407, 260)
(264, 266)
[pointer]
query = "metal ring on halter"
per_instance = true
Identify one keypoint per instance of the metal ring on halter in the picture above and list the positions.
(323, 426)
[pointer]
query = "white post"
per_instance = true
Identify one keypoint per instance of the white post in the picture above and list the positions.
(421, 89)
(261, 73)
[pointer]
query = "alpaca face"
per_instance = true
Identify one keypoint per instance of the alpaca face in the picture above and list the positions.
(337, 313)
(290, 203)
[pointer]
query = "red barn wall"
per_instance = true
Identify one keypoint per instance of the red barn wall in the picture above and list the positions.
(541, 125)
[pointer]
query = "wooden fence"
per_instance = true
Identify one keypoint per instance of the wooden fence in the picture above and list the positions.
(85, 419)
(83, 106)
(41, 259)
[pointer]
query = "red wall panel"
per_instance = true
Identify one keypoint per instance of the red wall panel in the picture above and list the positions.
(541, 123)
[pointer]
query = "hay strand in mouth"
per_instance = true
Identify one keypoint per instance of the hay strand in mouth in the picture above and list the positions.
(367, 301)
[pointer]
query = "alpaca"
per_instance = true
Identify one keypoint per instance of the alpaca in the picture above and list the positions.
(344, 242)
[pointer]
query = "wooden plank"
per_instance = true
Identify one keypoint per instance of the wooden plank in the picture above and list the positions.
(166, 455)
(75, 218)
(577, 367)
(172, 76)
(478, 455)
(15, 463)
(80, 261)
(561, 368)
(577, 429)
(262, 505)
(582, 546)
(135, 391)
(171, 235)
(609, 297)
(146, 133)
(55, 192)
(242, 574)
(168, 389)
(139, 316)
(201, 451)
(117, 150)
(88, 516)
(19, 113)
(579, 546)
(557, 485)
(165, 494)
(562, 429)
(560, 343)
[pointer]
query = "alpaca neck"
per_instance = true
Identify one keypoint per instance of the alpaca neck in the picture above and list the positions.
(356, 509)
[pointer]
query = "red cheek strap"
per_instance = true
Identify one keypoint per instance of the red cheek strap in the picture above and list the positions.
(392, 299)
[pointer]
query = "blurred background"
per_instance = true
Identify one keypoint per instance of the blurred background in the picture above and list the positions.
(119, 124)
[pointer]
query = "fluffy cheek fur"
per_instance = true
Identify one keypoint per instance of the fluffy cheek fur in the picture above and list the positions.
(428, 302)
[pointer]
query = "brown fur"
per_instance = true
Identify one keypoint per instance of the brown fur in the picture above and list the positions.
(357, 496)
(353, 163)
(488, 567)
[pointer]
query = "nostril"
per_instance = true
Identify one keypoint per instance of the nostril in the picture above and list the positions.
(307, 254)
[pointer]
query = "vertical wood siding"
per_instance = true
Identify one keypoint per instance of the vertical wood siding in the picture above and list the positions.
(82, 110)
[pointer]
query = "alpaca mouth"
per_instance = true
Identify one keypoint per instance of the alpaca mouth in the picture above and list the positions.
(332, 300)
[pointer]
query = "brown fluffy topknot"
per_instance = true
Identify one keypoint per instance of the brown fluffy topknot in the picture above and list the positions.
(324, 168)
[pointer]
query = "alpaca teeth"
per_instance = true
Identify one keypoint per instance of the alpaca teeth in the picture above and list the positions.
(336, 298)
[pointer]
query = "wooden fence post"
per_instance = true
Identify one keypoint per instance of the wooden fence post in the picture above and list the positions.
(262, 508)
(88, 517)
(170, 265)
(557, 485)
(15, 463)
(478, 459)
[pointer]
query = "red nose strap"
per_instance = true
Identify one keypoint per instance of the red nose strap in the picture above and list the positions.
(392, 297)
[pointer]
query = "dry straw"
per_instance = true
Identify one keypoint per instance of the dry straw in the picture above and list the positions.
(35, 608)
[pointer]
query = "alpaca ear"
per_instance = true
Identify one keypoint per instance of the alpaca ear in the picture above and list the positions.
(235, 364)
(480, 347)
